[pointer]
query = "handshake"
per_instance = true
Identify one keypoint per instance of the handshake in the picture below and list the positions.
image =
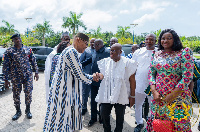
(97, 76)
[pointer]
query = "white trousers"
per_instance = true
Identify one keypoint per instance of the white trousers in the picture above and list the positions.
(139, 100)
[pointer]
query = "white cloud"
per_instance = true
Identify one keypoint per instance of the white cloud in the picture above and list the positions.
(149, 17)
(94, 18)
(150, 5)
(124, 12)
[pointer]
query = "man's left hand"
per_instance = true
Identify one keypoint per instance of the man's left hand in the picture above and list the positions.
(36, 77)
(132, 101)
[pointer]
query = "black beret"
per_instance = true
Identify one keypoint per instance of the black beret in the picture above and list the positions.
(15, 35)
(82, 36)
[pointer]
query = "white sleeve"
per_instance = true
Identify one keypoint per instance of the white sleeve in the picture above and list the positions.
(131, 67)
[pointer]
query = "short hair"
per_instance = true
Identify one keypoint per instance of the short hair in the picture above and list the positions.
(65, 34)
(114, 39)
(177, 45)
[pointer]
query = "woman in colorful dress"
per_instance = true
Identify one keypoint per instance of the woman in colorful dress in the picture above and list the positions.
(171, 71)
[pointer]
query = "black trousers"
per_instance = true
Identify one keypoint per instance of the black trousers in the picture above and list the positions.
(105, 114)
(94, 92)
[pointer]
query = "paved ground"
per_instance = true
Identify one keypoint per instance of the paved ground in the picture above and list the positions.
(38, 109)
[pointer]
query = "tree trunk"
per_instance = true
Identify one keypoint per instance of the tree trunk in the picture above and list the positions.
(43, 41)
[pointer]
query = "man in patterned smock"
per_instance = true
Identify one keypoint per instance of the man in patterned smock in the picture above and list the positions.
(17, 68)
(64, 105)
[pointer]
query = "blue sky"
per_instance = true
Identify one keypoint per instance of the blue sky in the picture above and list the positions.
(181, 15)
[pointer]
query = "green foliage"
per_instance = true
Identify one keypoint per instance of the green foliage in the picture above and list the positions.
(123, 32)
(53, 39)
(73, 22)
(8, 29)
(29, 41)
(139, 38)
(96, 33)
(157, 33)
(42, 31)
(5, 40)
(194, 45)
(124, 40)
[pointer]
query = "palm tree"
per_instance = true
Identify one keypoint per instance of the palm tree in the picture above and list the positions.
(157, 33)
(73, 22)
(43, 30)
(96, 33)
(122, 32)
(8, 28)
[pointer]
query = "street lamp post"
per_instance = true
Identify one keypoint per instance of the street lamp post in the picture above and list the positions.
(28, 20)
(133, 31)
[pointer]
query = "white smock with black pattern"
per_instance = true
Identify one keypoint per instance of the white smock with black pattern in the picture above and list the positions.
(64, 105)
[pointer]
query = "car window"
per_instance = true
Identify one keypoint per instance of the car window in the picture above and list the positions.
(49, 51)
(42, 51)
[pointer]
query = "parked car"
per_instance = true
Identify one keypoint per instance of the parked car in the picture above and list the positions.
(2, 50)
(41, 54)
(2, 87)
(127, 48)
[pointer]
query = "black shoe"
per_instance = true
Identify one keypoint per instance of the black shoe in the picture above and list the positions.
(84, 111)
(18, 113)
(138, 128)
(91, 123)
(199, 126)
(28, 112)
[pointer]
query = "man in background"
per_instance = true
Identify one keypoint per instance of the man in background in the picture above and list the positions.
(143, 57)
(87, 69)
(64, 38)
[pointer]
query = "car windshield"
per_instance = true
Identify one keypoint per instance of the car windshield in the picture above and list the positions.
(41, 51)
(2, 50)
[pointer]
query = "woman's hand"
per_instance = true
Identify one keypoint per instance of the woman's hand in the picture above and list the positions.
(156, 96)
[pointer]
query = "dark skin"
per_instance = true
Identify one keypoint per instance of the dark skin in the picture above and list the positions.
(134, 48)
(92, 43)
(18, 44)
(150, 41)
(113, 41)
(98, 44)
(115, 54)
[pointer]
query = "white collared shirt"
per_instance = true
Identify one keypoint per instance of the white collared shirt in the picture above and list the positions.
(143, 58)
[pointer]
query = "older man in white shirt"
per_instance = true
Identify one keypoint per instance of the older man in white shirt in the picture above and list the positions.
(143, 58)
(117, 87)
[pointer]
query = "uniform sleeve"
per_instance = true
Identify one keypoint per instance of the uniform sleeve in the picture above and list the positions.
(6, 66)
(187, 68)
(152, 72)
(32, 59)
(75, 66)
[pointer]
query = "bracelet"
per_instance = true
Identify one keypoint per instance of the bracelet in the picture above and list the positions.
(131, 96)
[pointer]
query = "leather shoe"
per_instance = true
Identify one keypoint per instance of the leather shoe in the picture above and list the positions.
(138, 128)
(91, 123)
(84, 111)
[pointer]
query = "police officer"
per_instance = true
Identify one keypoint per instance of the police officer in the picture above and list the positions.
(17, 68)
